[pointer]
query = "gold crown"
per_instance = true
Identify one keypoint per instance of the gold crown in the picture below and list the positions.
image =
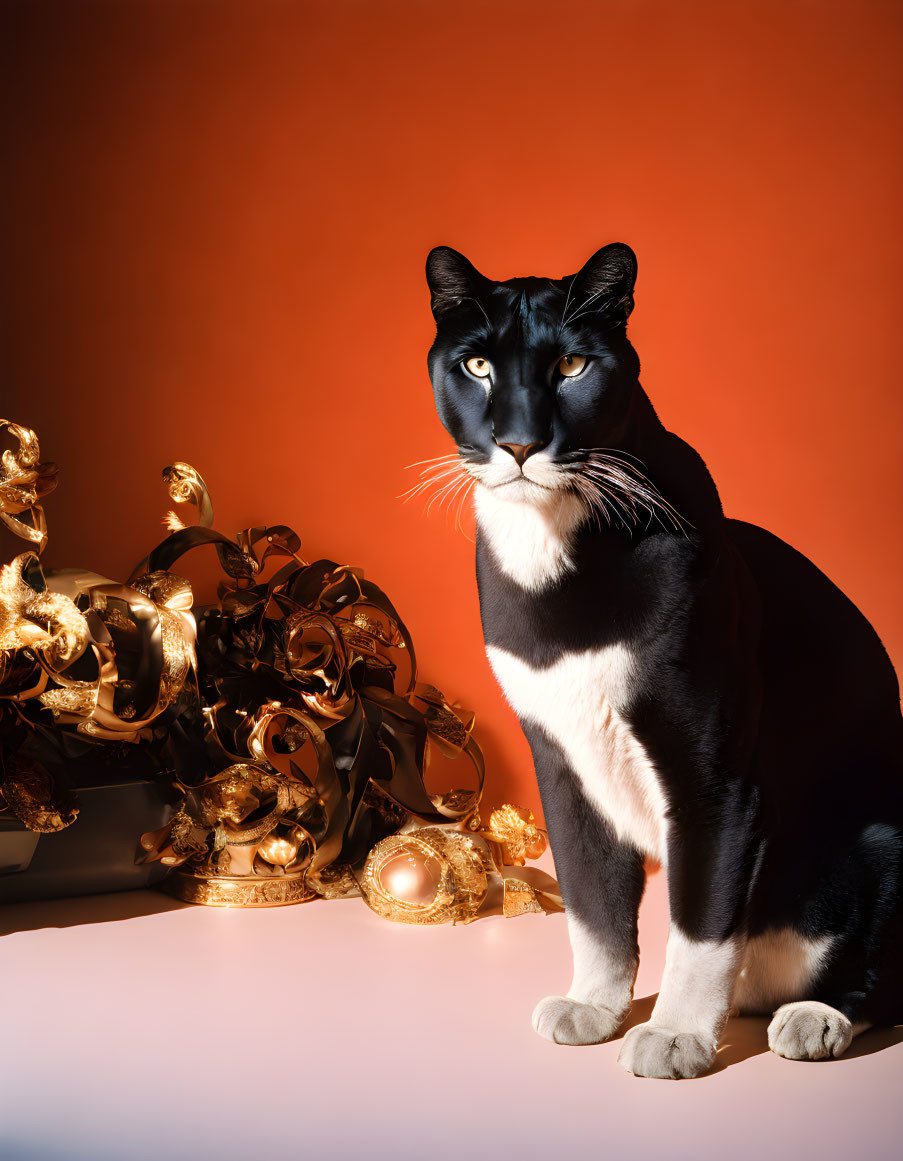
(239, 840)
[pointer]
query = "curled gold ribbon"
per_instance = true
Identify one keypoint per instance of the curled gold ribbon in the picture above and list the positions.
(186, 486)
(33, 618)
(24, 482)
(164, 625)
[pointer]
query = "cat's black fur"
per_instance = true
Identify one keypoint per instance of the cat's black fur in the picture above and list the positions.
(764, 698)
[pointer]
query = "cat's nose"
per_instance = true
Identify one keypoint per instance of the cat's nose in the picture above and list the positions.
(520, 451)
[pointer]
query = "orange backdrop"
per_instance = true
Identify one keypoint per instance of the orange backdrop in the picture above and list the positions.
(218, 218)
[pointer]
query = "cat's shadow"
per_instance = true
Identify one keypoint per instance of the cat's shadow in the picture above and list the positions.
(747, 1036)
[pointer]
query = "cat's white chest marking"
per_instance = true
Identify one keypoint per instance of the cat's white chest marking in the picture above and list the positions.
(530, 541)
(575, 701)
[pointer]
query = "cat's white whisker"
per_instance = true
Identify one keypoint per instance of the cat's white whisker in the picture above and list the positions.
(598, 500)
(441, 477)
(462, 501)
(566, 303)
(612, 453)
(609, 496)
(445, 483)
(439, 471)
(424, 489)
(632, 485)
(450, 489)
(432, 460)
(425, 485)
(449, 504)
(591, 500)
(442, 493)
(582, 310)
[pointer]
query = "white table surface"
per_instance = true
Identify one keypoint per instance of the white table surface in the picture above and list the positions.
(135, 1027)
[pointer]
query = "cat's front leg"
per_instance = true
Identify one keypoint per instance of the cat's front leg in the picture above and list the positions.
(712, 857)
(602, 882)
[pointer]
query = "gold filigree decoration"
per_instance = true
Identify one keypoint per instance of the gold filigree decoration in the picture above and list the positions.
(519, 899)
(79, 698)
(46, 622)
(237, 891)
(28, 792)
(442, 874)
(425, 876)
(24, 482)
(336, 881)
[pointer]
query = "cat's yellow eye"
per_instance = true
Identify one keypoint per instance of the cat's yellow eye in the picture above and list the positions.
(571, 365)
(479, 367)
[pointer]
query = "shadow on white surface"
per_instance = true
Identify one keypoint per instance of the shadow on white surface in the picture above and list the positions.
(84, 909)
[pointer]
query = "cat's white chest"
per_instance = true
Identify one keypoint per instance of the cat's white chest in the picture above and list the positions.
(575, 702)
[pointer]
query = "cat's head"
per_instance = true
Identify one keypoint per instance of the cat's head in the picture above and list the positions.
(533, 377)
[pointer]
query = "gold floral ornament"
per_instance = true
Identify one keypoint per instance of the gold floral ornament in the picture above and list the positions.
(514, 830)
(24, 482)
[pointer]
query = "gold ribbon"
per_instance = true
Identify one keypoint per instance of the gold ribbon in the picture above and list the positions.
(24, 482)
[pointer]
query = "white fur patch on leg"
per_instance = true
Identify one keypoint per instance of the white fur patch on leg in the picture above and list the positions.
(681, 1037)
(810, 1030)
(600, 977)
(599, 997)
(697, 984)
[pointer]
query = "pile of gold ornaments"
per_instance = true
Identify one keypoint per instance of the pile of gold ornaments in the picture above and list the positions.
(278, 716)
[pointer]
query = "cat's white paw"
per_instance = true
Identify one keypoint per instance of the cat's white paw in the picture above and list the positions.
(567, 1021)
(658, 1052)
(808, 1030)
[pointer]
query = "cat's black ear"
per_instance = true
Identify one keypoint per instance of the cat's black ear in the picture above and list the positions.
(605, 284)
(451, 279)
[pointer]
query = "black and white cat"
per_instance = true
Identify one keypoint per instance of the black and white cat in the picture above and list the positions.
(692, 688)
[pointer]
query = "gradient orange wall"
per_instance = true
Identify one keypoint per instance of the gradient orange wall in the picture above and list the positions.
(218, 217)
